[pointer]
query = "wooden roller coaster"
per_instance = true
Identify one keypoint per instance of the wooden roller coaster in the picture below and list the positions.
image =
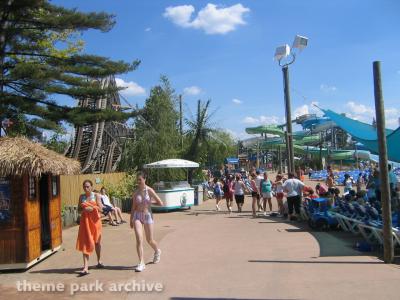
(98, 146)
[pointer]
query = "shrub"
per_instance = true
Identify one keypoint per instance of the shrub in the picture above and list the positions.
(122, 189)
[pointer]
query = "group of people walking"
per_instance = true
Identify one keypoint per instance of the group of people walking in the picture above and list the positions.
(262, 190)
(92, 205)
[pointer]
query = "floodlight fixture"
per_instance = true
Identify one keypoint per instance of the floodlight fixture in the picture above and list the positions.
(282, 52)
(300, 42)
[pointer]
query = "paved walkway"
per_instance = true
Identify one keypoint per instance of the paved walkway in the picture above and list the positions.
(218, 256)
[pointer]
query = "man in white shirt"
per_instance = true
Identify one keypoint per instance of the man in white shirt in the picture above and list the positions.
(294, 188)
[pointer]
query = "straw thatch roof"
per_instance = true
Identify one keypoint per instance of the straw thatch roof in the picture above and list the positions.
(20, 156)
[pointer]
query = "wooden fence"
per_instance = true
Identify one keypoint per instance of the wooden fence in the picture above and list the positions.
(71, 185)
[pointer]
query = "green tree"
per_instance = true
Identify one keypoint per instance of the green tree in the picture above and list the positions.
(156, 130)
(56, 143)
(220, 146)
(41, 56)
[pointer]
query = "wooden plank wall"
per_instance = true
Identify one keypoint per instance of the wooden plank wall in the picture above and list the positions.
(33, 242)
(55, 214)
(71, 186)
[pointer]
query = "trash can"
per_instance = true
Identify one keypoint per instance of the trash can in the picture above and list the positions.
(198, 194)
(200, 197)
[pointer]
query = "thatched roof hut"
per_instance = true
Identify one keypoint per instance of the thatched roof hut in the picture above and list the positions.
(30, 201)
(20, 156)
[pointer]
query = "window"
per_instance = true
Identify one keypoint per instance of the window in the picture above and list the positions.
(54, 186)
(5, 200)
(32, 188)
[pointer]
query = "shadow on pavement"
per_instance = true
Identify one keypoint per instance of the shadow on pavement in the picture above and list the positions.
(207, 213)
(57, 271)
(296, 230)
(76, 270)
(317, 262)
(274, 222)
(331, 243)
(195, 298)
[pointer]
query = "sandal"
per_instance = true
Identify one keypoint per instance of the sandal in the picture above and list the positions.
(100, 266)
(113, 224)
(83, 273)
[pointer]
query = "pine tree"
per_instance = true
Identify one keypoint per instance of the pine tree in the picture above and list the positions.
(41, 56)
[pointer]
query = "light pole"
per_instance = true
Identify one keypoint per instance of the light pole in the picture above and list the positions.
(285, 57)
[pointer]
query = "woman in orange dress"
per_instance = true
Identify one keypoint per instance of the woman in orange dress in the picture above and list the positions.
(89, 235)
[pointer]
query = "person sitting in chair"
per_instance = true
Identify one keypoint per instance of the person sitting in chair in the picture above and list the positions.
(322, 190)
(110, 210)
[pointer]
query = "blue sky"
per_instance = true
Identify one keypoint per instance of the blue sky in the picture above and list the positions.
(224, 51)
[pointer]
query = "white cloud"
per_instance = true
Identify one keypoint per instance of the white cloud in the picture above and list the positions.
(306, 109)
(273, 120)
(393, 122)
(148, 29)
(327, 88)
(361, 118)
(302, 110)
(237, 101)
(131, 88)
(180, 15)
(242, 135)
(212, 19)
(314, 107)
(270, 120)
(359, 112)
(359, 109)
(364, 113)
(250, 120)
(392, 112)
(192, 90)
(237, 135)
(392, 117)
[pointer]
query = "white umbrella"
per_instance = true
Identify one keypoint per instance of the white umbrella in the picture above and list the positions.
(172, 163)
